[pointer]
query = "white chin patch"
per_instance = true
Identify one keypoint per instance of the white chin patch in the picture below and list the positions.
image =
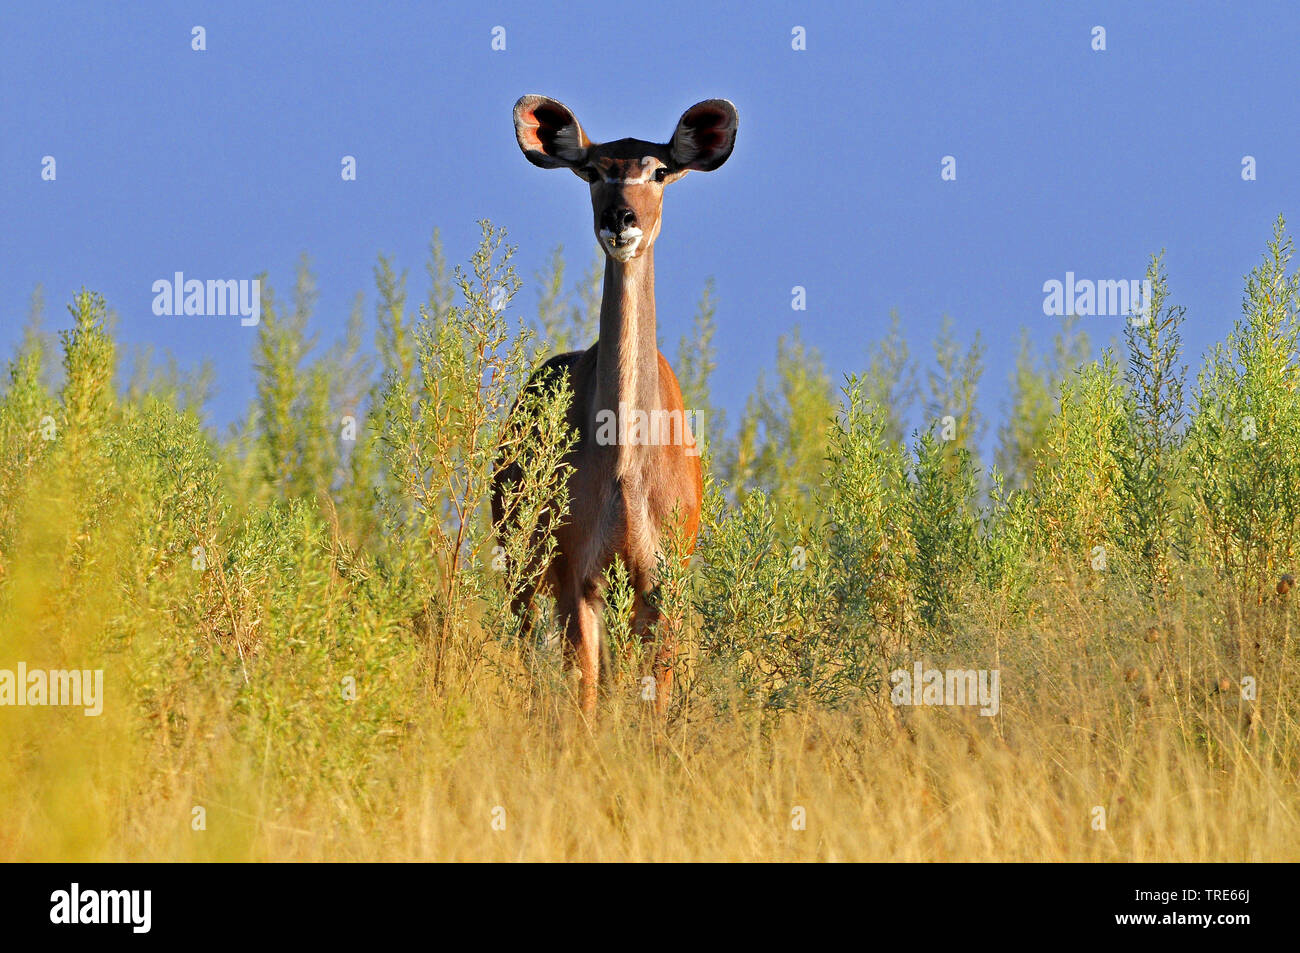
(622, 246)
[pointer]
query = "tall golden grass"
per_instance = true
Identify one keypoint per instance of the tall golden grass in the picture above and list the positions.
(1093, 715)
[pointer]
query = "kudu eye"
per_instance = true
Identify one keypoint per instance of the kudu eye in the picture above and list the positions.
(661, 173)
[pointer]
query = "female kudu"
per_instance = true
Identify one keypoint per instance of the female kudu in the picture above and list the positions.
(623, 490)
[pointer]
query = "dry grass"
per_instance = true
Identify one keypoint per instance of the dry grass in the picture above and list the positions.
(1093, 715)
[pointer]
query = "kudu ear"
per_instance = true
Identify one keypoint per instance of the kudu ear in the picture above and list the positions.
(549, 133)
(705, 135)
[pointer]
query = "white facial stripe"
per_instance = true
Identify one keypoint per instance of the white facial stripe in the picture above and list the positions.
(640, 180)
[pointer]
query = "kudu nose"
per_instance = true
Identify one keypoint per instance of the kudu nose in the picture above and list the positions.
(618, 219)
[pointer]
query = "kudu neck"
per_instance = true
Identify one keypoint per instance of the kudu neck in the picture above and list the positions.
(627, 361)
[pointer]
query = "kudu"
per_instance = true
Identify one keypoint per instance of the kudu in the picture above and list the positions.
(623, 493)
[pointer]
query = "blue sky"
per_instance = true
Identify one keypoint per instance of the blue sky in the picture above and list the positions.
(225, 163)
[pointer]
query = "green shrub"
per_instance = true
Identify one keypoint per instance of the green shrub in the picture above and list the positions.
(1243, 442)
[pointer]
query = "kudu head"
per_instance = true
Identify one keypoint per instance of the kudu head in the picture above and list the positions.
(627, 176)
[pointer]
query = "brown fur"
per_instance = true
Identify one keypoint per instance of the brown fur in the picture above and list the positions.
(622, 495)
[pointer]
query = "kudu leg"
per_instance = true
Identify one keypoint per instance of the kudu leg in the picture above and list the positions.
(650, 626)
(582, 637)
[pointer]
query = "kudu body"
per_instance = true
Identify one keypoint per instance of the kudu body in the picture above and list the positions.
(623, 493)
